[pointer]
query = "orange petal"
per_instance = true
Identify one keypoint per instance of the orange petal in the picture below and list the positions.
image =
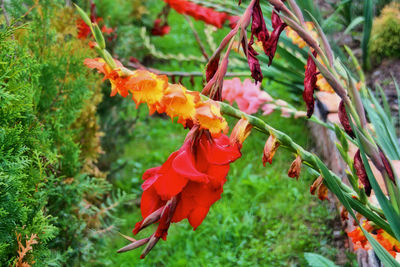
(208, 116)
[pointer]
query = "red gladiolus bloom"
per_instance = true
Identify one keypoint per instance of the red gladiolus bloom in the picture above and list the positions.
(160, 30)
(187, 184)
(361, 173)
(206, 14)
(344, 119)
(310, 84)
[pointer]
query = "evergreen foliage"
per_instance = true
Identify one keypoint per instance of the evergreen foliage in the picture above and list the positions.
(50, 141)
(385, 38)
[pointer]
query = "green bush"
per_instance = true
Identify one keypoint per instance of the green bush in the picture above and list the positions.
(50, 185)
(385, 38)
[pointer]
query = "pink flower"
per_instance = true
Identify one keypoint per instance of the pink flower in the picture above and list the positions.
(248, 95)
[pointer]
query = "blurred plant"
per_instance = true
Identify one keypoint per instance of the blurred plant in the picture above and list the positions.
(385, 40)
(202, 113)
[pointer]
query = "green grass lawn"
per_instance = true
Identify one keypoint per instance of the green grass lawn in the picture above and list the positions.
(264, 218)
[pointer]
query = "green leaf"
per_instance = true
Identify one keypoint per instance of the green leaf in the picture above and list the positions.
(315, 260)
(368, 17)
(353, 24)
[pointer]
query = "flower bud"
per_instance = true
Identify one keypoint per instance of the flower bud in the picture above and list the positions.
(83, 15)
(98, 35)
(134, 245)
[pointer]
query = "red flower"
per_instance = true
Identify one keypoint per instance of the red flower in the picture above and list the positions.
(186, 185)
(83, 29)
(208, 15)
(160, 30)
(310, 84)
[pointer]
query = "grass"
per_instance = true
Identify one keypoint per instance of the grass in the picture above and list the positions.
(264, 218)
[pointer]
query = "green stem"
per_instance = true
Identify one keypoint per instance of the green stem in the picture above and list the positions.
(366, 209)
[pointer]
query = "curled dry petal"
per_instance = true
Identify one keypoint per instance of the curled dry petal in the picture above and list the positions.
(388, 168)
(253, 61)
(270, 47)
(322, 192)
(258, 27)
(295, 168)
(212, 67)
(310, 84)
(361, 173)
(270, 148)
(319, 187)
(344, 119)
(241, 131)
(316, 184)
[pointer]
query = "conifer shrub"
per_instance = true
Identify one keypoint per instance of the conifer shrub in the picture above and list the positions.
(52, 193)
(385, 38)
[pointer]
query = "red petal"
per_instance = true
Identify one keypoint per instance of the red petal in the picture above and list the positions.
(217, 174)
(170, 184)
(184, 165)
(220, 151)
(197, 216)
(150, 202)
(185, 205)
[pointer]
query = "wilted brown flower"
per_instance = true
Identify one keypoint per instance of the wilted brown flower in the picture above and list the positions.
(295, 168)
(270, 148)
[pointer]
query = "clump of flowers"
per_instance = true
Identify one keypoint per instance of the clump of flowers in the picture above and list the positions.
(159, 95)
(206, 14)
(250, 99)
(248, 95)
(387, 241)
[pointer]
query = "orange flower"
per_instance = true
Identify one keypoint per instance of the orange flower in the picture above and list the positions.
(147, 87)
(323, 84)
(118, 83)
(296, 39)
(208, 116)
(387, 241)
(181, 103)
